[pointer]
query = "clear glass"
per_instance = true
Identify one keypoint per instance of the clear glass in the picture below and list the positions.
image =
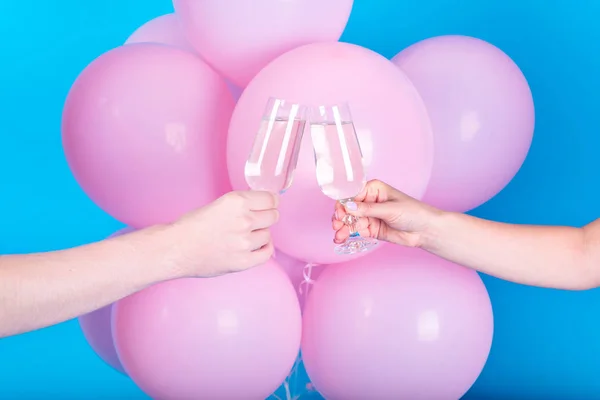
(274, 155)
(339, 161)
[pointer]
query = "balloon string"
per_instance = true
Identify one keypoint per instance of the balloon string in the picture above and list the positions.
(306, 273)
(303, 289)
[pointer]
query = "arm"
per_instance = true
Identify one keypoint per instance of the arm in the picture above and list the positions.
(546, 256)
(37, 290)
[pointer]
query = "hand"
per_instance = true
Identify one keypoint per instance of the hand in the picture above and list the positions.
(229, 235)
(385, 214)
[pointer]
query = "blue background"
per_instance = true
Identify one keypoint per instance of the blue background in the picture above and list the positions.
(547, 342)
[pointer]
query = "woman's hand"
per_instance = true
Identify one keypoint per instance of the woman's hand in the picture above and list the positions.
(385, 214)
(548, 256)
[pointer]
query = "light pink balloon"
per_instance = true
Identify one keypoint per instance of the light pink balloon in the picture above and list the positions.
(389, 116)
(239, 37)
(144, 131)
(232, 337)
(482, 113)
(399, 324)
(165, 29)
(96, 327)
(236, 92)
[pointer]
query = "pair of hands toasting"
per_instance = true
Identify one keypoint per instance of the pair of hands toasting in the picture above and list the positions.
(232, 234)
(547, 256)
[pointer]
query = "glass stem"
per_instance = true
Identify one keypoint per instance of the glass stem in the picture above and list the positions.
(350, 220)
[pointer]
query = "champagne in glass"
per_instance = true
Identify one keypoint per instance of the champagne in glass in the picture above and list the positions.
(274, 155)
(339, 164)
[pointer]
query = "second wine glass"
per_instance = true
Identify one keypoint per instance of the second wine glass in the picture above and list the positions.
(339, 164)
(274, 154)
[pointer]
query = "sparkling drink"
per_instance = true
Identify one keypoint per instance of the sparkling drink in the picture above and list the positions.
(339, 164)
(274, 154)
(340, 171)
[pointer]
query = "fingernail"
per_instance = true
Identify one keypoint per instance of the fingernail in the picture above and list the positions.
(336, 215)
(351, 206)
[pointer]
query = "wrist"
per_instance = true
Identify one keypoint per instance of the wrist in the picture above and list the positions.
(434, 229)
(160, 254)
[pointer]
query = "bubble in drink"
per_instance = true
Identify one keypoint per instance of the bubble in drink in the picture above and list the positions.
(340, 171)
(274, 155)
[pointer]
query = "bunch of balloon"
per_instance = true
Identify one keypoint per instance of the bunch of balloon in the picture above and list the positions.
(396, 323)
(144, 132)
(164, 123)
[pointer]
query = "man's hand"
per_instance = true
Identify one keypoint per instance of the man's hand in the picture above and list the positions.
(229, 235)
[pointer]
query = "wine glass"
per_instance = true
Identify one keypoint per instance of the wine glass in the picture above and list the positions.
(339, 162)
(274, 155)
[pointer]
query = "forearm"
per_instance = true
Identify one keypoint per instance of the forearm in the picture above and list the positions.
(546, 256)
(38, 290)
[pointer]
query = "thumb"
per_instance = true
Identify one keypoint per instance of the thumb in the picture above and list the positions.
(375, 210)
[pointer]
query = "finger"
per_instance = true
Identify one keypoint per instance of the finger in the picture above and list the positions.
(263, 219)
(262, 255)
(260, 200)
(361, 223)
(336, 224)
(259, 238)
(339, 212)
(376, 210)
(377, 191)
(344, 233)
(343, 230)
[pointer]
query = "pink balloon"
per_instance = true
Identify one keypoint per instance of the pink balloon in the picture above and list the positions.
(236, 92)
(232, 337)
(96, 327)
(399, 324)
(250, 34)
(390, 119)
(144, 130)
(482, 114)
(165, 29)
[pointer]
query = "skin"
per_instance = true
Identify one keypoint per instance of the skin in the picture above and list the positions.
(546, 256)
(228, 235)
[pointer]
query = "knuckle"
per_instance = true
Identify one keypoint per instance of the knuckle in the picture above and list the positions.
(267, 200)
(274, 200)
(234, 199)
(268, 219)
(266, 236)
(376, 184)
(246, 222)
(269, 252)
(245, 244)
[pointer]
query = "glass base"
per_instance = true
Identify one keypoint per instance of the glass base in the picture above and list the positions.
(355, 244)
